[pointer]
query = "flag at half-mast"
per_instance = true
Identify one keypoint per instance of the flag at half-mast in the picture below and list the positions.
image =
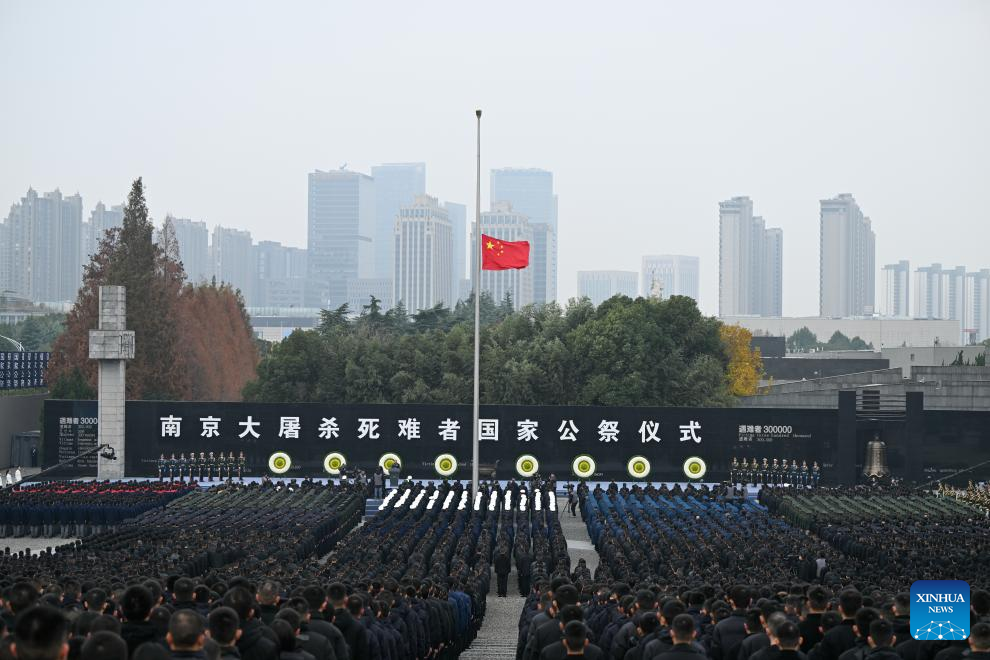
(497, 254)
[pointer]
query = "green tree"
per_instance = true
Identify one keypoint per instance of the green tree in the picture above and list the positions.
(171, 321)
(802, 340)
(838, 342)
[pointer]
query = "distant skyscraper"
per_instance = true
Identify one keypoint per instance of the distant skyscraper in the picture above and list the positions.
(600, 285)
(928, 292)
(101, 220)
(750, 262)
(847, 275)
(423, 256)
(360, 291)
(41, 251)
(279, 272)
(530, 192)
(976, 324)
(895, 289)
(232, 259)
(4, 257)
(953, 293)
(674, 274)
(502, 221)
(457, 214)
(773, 300)
(341, 230)
(396, 185)
(194, 248)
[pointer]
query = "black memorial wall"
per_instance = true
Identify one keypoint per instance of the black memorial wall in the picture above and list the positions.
(554, 435)
(925, 444)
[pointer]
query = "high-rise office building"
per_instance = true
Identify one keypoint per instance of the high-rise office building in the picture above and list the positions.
(193, 238)
(530, 192)
(895, 290)
(340, 231)
(396, 185)
(665, 275)
(279, 275)
(361, 290)
(750, 262)
(505, 223)
(976, 322)
(41, 251)
(457, 214)
(232, 259)
(847, 272)
(424, 256)
(600, 285)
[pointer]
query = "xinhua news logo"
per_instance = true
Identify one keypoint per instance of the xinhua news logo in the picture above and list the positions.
(940, 609)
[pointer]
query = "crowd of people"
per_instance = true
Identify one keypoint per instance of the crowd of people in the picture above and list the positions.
(284, 571)
(76, 508)
(690, 574)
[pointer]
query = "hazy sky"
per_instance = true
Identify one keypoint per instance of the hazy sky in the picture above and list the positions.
(647, 113)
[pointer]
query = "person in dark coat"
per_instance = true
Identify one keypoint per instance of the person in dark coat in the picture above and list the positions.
(256, 641)
(841, 638)
(682, 633)
(503, 566)
(136, 605)
(881, 640)
(315, 615)
(186, 635)
(223, 628)
(574, 643)
(353, 631)
(731, 630)
(552, 631)
(810, 623)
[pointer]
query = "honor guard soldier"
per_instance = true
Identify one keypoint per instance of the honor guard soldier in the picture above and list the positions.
(734, 471)
(804, 474)
(816, 473)
(764, 471)
(754, 471)
(161, 467)
(792, 473)
(200, 464)
(241, 465)
(231, 466)
(210, 464)
(775, 473)
(182, 466)
(173, 465)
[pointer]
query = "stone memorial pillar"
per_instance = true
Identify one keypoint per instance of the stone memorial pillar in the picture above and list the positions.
(111, 344)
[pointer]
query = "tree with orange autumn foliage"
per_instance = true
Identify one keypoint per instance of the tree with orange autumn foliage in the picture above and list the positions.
(745, 364)
(191, 343)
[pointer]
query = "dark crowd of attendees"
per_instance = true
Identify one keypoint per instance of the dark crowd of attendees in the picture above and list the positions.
(284, 571)
(76, 508)
(277, 571)
(693, 575)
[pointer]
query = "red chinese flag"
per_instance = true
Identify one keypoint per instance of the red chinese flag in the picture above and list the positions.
(497, 254)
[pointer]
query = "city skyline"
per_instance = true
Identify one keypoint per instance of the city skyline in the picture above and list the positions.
(638, 147)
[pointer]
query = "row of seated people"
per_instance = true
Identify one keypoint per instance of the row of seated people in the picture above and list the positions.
(75, 508)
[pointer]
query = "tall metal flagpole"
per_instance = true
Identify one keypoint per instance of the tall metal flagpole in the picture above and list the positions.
(477, 319)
